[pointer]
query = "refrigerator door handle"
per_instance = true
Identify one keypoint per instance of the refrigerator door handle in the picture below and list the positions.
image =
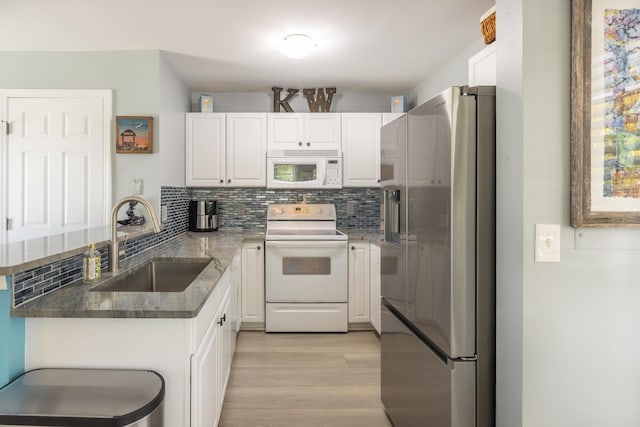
(392, 215)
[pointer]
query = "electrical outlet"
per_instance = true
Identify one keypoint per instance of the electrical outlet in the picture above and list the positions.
(241, 208)
(351, 208)
(4, 285)
(164, 214)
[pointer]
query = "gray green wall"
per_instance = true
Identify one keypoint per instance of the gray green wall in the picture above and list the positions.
(11, 340)
(142, 83)
(566, 332)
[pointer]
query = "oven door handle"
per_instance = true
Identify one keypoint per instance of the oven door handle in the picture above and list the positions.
(306, 243)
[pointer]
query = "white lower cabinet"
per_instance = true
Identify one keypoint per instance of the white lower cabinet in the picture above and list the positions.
(193, 355)
(236, 298)
(252, 283)
(359, 283)
(374, 289)
(206, 370)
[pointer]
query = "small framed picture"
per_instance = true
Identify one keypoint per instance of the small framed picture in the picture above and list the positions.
(206, 104)
(134, 134)
(398, 104)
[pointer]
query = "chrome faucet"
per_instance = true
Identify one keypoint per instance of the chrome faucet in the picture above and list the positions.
(114, 253)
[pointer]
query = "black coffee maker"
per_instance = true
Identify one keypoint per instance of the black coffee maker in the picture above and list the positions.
(203, 215)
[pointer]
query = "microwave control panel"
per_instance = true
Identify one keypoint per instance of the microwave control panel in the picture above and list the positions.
(334, 176)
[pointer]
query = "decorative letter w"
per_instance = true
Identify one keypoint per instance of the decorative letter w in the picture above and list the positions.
(319, 103)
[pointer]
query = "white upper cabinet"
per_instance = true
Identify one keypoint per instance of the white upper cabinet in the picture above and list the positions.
(389, 117)
(304, 131)
(205, 155)
(482, 67)
(226, 149)
(246, 149)
(361, 149)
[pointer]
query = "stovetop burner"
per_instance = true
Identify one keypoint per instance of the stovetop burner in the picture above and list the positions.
(302, 222)
(305, 234)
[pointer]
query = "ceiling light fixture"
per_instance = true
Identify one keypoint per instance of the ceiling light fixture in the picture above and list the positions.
(296, 46)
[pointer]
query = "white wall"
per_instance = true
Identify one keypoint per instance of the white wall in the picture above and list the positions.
(509, 216)
(226, 102)
(453, 73)
(174, 102)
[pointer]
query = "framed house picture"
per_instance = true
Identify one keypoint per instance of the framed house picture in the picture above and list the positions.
(605, 106)
(134, 134)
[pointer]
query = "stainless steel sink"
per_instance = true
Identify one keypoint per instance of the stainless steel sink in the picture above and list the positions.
(158, 275)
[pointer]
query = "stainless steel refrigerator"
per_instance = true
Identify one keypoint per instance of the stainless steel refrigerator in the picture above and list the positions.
(438, 262)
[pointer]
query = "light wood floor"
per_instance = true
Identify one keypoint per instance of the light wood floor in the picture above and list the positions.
(305, 380)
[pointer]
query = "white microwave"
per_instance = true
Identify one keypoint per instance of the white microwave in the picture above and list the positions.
(304, 172)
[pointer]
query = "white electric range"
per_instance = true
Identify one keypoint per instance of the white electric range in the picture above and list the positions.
(306, 286)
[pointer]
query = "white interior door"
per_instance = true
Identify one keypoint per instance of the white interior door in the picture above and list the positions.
(57, 169)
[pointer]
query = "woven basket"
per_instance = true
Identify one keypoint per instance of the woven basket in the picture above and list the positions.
(488, 26)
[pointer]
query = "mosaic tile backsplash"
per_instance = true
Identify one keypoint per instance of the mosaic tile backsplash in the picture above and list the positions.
(246, 208)
(38, 281)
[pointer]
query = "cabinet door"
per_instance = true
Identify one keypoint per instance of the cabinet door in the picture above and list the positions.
(358, 282)
(322, 131)
(285, 131)
(361, 149)
(205, 149)
(374, 280)
(246, 150)
(226, 346)
(206, 399)
(389, 117)
(236, 285)
(252, 283)
(482, 67)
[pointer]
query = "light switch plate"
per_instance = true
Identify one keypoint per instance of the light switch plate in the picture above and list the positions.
(547, 246)
(136, 188)
(3, 283)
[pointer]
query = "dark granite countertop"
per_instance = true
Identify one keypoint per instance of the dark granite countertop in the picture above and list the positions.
(26, 254)
(370, 236)
(77, 299)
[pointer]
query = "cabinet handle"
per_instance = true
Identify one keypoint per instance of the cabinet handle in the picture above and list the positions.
(353, 248)
(258, 248)
(300, 143)
(378, 181)
(229, 180)
(222, 181)
(308, 144)
(223, 319)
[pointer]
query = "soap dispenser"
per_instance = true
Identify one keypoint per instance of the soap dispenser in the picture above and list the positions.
(91, 270)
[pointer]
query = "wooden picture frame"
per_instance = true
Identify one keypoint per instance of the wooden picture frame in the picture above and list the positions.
(134, 134)
(605, 142)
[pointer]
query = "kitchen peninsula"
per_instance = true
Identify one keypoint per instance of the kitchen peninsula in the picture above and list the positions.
(181, 335)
